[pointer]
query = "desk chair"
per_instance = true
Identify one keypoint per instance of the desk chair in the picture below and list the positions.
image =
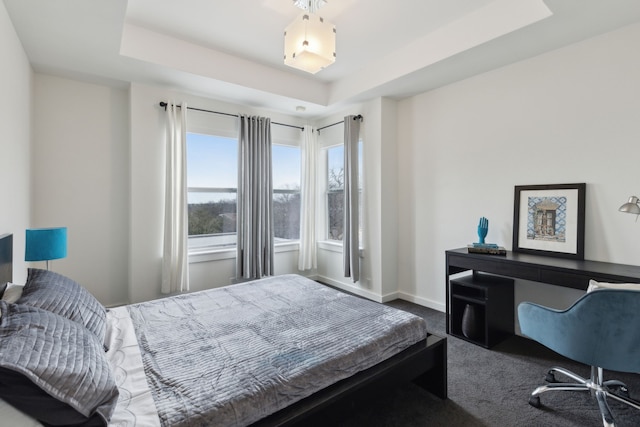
(601, 329)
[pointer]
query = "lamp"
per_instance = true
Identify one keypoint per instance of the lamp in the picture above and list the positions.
(310, 5)
(44, 244)
(631, 206)
(309, 41)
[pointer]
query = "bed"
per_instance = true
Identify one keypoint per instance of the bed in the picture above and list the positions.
(278, 351)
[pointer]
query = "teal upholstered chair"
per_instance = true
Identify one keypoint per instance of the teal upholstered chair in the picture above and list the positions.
(601, 329)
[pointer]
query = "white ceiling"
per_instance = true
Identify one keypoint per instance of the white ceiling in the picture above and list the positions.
(233, 49)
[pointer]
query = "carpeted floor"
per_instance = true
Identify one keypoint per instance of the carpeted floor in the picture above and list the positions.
(491, 388)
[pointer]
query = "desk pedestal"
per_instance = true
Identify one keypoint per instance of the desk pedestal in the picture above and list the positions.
(481, 309)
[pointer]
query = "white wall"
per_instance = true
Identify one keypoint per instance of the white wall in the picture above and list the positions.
(16, 87)
(571, 115)
(389, 206)
(80, 180)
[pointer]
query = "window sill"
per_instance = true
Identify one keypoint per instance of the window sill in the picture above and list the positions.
(213, 254)
(335, 246)
(330, 245)
(210, 254)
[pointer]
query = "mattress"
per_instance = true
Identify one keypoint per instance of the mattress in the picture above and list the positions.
(234, 355)
(231, 356)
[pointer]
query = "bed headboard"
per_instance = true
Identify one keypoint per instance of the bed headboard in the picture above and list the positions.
(6, 258)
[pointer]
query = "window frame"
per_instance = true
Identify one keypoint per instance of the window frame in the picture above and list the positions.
(213, 128)
(326, 191)
(276, 191)
(192, 247)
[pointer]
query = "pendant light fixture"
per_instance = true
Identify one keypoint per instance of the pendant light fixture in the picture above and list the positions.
(309, 41)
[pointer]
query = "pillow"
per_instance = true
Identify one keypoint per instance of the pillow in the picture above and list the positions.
(12, 293)
(53, 369)
(60, 295)
(594, 286)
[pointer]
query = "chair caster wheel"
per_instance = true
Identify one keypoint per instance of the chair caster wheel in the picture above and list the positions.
(535, 401)
(550, 377)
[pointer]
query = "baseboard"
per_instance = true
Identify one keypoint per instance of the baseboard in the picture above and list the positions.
(422, 301)
(391, 296)
(382, 299)
(349, 288)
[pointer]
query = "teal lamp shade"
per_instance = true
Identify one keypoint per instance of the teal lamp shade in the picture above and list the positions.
(45, 244)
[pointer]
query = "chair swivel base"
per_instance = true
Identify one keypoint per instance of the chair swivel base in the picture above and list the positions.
(601, 389)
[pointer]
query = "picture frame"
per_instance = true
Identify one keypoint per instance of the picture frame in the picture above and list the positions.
(549, 220)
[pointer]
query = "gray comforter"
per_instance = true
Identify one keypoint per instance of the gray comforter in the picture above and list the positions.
(233, 355)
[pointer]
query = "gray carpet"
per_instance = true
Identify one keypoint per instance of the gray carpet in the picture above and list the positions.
(491, 388)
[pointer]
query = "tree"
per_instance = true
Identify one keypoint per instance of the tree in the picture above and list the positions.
(212, 217)
(335, 203)
(286, 214)
(336, 179)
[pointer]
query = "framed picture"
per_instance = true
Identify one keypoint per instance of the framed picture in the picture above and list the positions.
(549, 220)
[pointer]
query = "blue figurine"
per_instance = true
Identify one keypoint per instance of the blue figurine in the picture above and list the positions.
(483, 229)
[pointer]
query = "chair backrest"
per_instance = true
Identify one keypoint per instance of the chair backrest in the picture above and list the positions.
(601, 329)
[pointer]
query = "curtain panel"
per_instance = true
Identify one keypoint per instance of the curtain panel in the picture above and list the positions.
(255, 188)
(175, 263)
(307, 258)
(350, 239)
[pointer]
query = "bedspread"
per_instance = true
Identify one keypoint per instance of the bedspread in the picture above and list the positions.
(231, 356)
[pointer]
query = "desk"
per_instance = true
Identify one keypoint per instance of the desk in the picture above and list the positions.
(545, 269)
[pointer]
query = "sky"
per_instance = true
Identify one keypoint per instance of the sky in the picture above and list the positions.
(212, 161)
(336, 159)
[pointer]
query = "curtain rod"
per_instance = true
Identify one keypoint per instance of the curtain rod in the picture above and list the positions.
(164, 105)
(358, 117)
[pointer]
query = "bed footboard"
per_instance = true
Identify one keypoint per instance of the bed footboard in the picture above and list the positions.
(435, 379)
(424, 363)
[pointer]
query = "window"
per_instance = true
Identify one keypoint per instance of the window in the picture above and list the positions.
(212, 186)
(286, 192)
(335, 191)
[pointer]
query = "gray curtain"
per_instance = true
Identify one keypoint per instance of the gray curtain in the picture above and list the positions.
(254, 218)
(350, 238)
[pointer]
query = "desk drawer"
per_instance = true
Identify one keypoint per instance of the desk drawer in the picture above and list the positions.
(572, 280)
(497, 266)
(568, 280)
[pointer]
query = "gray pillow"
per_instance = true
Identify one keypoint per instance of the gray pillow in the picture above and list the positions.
(60, 295)
(53, 369)
(12, 292)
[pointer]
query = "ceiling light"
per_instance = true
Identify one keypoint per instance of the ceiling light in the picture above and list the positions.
(309, 43)
(310, 5)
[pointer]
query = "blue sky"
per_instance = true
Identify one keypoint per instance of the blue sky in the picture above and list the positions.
(212, 162)
(336, 159)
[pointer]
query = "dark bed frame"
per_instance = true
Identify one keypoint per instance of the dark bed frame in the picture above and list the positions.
(424, 363)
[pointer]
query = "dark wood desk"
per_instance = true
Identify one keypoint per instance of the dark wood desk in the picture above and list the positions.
(555, 271)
